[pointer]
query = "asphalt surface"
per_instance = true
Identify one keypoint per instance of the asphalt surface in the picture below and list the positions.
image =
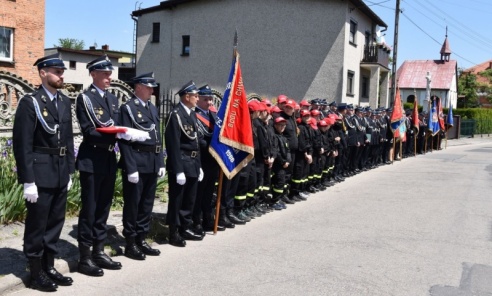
(422, 226)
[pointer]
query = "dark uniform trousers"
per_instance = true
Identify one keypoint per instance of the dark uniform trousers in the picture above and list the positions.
(139, 202)
(48, 213)
(228, 192)
(96, 197)
(203, 204)
(96, 161)
(49, 171)
(181, 201)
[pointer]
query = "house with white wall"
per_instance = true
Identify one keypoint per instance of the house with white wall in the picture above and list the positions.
(304, 49)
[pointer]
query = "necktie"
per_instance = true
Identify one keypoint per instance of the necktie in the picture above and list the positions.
(55, 101)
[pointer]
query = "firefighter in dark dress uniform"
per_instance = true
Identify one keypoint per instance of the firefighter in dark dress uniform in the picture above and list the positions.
(44, 154)
(96, 107)
(184, 167)
(203, 214)
(142, 162)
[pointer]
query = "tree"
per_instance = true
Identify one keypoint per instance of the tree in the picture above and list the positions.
(71, 43)
(468, 86)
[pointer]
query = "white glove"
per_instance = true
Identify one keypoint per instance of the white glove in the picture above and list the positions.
(137, 135)
(161, 173)
(200, 177)
(180, 178)
(69, 184)
(123, 136)
(30, 192)
(133, 178)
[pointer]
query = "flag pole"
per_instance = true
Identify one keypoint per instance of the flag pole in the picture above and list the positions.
(392, 154)
(426, 138)
(415, 120)
(401, 149)
(446, 140)
(217, 204)
(221, 173)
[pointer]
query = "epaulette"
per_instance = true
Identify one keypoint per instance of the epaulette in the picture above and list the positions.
(35, 92)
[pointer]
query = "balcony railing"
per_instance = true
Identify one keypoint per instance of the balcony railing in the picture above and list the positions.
(376, 54)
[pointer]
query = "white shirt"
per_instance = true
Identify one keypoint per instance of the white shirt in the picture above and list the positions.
(100, 91)
(188, 110)
(52, 96)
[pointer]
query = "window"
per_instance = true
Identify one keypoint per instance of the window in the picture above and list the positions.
(350, 83)
(156, 32)
(368, 38)
(353, 32)
(365, 87)
(6, 44)
(186, 45)
(72, 65)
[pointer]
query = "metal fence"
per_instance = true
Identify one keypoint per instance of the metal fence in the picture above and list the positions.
(472, 127)
(165, 103)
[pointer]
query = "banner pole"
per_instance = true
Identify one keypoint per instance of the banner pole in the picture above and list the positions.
(446, 141)
(217, 204)
(426, 138)
(392, 152)
(415, 144)
(401, 149)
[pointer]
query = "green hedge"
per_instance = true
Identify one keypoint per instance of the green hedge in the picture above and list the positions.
(482, 117)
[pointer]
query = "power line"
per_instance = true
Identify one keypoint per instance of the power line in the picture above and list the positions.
(461, 25)
(465, 36)
(423, 31)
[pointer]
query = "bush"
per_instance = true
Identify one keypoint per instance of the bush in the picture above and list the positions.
(12, 207)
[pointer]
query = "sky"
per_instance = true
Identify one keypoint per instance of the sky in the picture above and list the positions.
(422, 26)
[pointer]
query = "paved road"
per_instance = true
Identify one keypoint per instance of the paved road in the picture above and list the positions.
(421, 226)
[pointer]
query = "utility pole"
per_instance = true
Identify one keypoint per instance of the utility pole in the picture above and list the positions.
(395, 53)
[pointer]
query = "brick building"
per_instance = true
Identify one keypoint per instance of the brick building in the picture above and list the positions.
(21, 37)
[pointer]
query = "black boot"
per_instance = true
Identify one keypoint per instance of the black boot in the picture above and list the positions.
(224, 221)
(145, 247)
(53, 274)
(198, 229)
(174, 238)
(101, 259)
(233, 218)
(86, 265)
(132, 251)
(39, 279)
(209, 222)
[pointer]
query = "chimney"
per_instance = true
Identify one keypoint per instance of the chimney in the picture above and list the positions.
(92, 48)
(105, 47)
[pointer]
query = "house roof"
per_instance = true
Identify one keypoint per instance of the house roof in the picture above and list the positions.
(170, 4)
(480, 67)
(477, 69)
(411, 74)
(86, 52)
